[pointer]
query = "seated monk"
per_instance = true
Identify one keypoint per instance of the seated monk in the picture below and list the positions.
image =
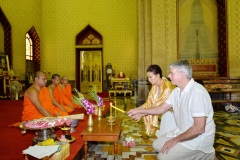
(63, 93)
(37, 102)
(51, 88)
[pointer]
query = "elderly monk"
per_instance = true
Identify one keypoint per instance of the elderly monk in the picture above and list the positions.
(63, 93)
(37, 102)
(51, 88)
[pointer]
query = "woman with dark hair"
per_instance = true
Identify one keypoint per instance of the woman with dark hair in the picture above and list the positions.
(161, 89)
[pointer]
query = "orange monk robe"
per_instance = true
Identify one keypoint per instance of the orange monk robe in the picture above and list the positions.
(67, 96)
(64, 96)
(30, 111)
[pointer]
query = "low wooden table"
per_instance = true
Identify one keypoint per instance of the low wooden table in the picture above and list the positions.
(101, 131)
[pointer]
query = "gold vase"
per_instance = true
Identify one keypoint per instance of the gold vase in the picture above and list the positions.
(99, 113)
(90, 120)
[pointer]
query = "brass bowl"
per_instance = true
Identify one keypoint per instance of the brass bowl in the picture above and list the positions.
(65, 130)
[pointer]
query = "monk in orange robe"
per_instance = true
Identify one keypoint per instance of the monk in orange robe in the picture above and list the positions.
(37, 102)
(51, 88)
(63, 93)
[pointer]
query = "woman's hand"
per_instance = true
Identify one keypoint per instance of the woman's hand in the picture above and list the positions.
(137, 117)
(135, 114)
(132, 112)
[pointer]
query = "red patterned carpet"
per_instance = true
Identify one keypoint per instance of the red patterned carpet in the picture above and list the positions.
(13, 142)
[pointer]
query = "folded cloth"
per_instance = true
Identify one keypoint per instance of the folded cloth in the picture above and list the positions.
(231, 108)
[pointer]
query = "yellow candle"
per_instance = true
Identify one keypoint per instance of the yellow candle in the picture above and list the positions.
(118, 109)
(115, 113)
(110, 110)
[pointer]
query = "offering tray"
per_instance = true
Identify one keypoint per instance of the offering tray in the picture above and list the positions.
(44, 127)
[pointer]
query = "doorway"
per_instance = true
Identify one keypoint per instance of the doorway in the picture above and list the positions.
(89, 60)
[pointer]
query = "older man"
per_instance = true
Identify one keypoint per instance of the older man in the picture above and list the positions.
(194, 136)
(37, 102)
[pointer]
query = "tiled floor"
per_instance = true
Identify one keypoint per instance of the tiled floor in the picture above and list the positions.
(227, 141)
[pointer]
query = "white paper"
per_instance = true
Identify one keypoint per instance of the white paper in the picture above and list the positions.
(41, 151)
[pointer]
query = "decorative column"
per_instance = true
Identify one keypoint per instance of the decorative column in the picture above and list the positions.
(144, 46)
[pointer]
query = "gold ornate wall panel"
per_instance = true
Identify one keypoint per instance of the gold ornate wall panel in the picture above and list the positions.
(157, 38)
(145, 45)
(148, 33)
(234, 37)
(164, 33)
(141, 39)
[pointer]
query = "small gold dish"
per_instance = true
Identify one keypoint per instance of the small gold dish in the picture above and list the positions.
(66, 140)
(65, 130)
(71, 140)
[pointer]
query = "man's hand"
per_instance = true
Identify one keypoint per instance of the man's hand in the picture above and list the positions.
(168, 145)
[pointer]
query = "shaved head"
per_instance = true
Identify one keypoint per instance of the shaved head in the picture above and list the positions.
(38, 73)
(54, 76)
(64, 77)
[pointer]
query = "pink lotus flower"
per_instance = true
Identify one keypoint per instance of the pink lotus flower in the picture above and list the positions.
(129, 142)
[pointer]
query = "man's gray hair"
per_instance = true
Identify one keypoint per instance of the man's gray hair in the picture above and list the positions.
(183, 66)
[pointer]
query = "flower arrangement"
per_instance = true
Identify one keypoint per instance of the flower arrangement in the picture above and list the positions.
(80, 100)
(129, 142)
(44, 123)
(98, 99)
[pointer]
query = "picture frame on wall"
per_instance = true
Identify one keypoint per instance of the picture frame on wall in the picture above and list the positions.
(4, 63)
(201, 31)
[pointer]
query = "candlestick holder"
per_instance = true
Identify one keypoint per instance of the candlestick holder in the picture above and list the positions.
(111, 120)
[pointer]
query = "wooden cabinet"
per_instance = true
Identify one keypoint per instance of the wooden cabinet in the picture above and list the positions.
(223, 91)
(225, 95)
(120, 85)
